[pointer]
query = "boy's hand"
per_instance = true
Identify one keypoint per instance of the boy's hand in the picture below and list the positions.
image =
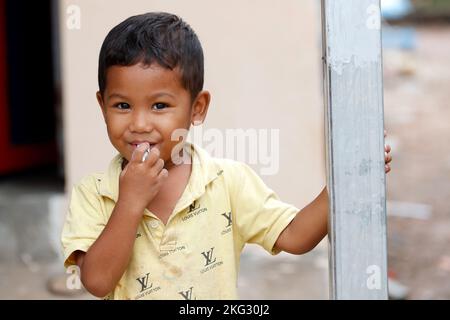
(387, 156)
(140, 180)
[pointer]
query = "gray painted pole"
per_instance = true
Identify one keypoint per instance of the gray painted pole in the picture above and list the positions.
(353, 94)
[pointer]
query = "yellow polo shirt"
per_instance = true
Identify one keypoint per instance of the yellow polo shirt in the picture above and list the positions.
(196, 254)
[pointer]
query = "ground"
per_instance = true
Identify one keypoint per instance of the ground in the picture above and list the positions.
(417, 117)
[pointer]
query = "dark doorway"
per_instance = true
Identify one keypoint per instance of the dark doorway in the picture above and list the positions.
(29, 101)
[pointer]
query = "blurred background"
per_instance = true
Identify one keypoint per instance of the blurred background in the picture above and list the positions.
(52, 132)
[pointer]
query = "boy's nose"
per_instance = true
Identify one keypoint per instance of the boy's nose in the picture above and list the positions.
(141, 122)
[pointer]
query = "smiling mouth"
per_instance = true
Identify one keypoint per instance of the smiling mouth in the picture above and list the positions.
(152, 145)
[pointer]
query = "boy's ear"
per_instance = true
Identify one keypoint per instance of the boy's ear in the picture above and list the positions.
(101, 104)
(200, 107)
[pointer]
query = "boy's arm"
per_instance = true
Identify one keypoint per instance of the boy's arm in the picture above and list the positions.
(104, 263)
(310, 225)
(307, 228)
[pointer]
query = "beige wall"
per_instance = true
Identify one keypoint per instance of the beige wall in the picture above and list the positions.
(262, 69)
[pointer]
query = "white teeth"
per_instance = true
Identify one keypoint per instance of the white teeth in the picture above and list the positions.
(137, 145)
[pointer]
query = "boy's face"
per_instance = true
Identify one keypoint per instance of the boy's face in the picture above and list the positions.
(146, 104)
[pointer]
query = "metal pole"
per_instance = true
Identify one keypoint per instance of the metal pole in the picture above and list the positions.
(353, 94)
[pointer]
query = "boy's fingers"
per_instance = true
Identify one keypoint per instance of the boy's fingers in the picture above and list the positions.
(387, 158)
(158, 166)
(124, 171)
(138, 153)
(163, 174)
(152, 157)
(387, 148)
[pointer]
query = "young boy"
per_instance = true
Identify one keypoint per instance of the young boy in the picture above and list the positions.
(155, 227)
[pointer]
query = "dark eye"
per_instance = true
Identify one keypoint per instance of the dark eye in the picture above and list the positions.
(159, 106)
(123, 106)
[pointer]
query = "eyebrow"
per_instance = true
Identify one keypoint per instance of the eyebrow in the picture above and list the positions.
(154, 96)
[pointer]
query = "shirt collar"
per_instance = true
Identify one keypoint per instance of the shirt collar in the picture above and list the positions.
(204, 171)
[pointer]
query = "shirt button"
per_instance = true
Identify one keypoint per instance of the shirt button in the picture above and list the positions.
(154, 224)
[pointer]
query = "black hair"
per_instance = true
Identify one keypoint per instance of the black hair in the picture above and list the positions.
(154, 37)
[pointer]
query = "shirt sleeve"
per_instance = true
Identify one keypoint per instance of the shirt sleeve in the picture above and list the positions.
(260, 215)
(85, 220)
